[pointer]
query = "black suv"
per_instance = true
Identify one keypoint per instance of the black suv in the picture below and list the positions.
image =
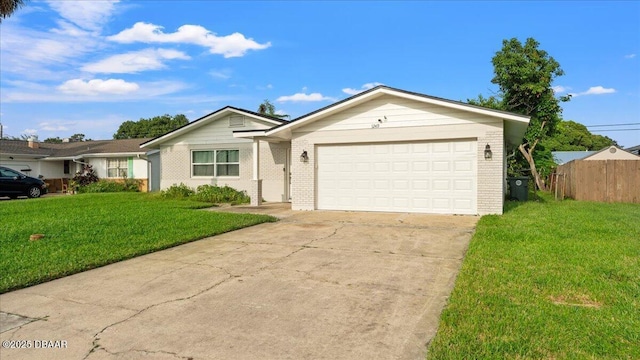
(14, 184)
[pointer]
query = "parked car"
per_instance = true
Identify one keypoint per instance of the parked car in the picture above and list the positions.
(14, 183)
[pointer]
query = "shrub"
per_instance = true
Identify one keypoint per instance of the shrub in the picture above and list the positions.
(104, 186)
(224, 194)
(85, 177)
(181, 191)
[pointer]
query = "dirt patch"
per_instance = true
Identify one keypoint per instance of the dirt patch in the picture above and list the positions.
(582, 300)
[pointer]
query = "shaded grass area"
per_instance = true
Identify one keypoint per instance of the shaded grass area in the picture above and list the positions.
(91, 230)
(547, 280)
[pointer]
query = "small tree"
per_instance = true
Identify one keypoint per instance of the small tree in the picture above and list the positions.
(524, 74)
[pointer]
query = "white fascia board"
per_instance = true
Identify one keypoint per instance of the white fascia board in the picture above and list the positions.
(249, 134)
(325, 112)
(104, 155)
(385, 91)
(151, 152)
(58, 158)
(462, 107)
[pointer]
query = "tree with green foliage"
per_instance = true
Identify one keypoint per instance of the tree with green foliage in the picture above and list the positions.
(51, 140)
(267, 108)
(8, 7)
(151, 127)
(524, 75)
(573, 136)
(77, 137)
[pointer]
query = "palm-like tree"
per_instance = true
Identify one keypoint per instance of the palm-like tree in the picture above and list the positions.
(8, 7)
(267, 108)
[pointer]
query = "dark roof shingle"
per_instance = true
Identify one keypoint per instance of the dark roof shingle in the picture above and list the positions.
(72, 149)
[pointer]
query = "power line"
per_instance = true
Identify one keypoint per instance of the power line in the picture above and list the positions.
(613, 125)
(616, 130)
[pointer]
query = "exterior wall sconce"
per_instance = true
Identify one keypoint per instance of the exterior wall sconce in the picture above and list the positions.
(304, 157)
(487, 152)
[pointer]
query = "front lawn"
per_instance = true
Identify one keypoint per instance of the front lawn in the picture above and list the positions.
(86, 231)
(547, 280)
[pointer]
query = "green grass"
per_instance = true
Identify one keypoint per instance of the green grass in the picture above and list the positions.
(547, 280)
(91, 230)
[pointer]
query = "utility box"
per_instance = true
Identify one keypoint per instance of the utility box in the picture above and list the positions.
(518, 188)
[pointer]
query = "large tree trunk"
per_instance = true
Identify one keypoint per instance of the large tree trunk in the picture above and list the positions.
(528, 155)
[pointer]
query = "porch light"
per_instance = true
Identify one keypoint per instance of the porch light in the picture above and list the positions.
(487, 152)
(304, 157)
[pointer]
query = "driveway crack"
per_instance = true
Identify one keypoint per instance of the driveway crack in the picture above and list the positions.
(96, 336)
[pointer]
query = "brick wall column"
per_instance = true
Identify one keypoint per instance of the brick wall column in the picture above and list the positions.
(256, 192)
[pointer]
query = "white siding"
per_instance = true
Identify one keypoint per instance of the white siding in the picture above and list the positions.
(391, 112)
(217, 131)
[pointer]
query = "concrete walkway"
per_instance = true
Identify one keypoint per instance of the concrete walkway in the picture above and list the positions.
(315, 285)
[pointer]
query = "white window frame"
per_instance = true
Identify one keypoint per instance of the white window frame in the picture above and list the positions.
(120, 162)
(215, 164)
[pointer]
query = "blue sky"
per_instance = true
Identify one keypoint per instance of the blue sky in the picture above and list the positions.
(71, 67)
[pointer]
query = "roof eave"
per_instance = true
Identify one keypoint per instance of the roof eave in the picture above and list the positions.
(384, 90)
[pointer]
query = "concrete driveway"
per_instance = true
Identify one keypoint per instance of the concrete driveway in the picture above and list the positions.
(315, 285)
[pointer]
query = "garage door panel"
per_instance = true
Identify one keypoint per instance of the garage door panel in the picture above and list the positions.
(430, 177)
(441, 165)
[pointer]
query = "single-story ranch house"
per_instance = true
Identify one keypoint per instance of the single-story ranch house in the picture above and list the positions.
(384, 149)
(57, 163)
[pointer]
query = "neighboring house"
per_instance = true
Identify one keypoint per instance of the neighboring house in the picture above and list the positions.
(563, 157)
(111, 159)
(384, 149)
(635, 150)
(612, 153)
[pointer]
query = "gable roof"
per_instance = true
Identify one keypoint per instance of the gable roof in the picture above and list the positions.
(563, 157)
(209, 118)
(518, 122)
(72, 149)
(614, 149)
(635, 150)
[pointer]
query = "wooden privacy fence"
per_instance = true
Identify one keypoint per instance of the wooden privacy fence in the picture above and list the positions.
(599, 180)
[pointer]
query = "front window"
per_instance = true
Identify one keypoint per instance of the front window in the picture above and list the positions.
(117, 168)
(212, 163)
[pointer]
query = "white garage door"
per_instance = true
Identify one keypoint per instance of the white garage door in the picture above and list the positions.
(426, 177)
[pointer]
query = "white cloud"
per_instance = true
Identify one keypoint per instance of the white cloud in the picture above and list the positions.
(364, 87)
(595, 90)
(98, 86)
(234, 45)
(630, 56)
(559, 89)
(302, 97)
(223, 74)
(105, 93)
(87, 14)
(30, 131)
(54, 126)
(135, 61)
(49, 54)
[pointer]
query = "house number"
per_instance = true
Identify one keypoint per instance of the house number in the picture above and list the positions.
(375, 126)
